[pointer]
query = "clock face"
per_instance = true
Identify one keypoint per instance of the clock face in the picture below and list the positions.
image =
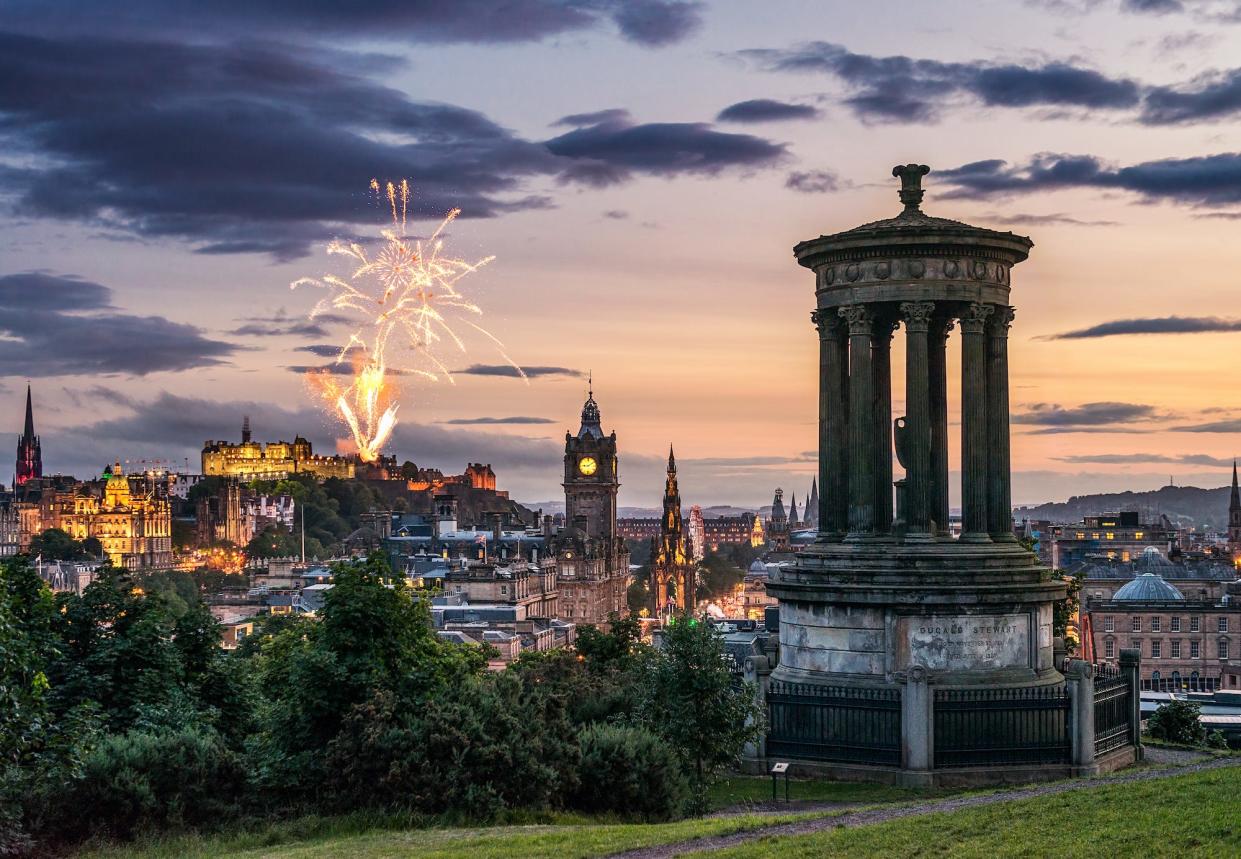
(587, 465)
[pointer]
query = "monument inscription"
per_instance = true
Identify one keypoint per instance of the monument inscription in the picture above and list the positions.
(964, 642)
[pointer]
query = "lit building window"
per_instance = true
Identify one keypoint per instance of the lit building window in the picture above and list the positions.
(1195, 650)
(1081, 535)
(1156, 648)
(1138, 535)
(1094, 535)
(1111, 536)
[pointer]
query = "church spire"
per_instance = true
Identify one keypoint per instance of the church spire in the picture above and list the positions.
(29, 431)
(672, 461)
(1234, 503)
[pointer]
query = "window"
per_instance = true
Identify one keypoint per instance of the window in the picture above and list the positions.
(1194, 624)
(1223, 625)
(1176, 624)
(1109, 649)
(1138, 535)
(1223, 648)
(1137, 624)
(1195, 651)
(1111, 536)
(1109, 623)
(1094, 535)
(1156, 649)
(1081, 535)
(1156, 624)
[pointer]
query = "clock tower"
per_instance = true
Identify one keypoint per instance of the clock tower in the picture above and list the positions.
(591, 479)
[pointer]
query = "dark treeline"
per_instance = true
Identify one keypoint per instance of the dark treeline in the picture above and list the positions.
(120, 715)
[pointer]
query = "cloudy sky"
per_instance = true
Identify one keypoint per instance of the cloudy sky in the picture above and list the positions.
(641, 170)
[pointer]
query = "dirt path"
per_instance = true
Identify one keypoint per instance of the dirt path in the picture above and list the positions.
(882, 815)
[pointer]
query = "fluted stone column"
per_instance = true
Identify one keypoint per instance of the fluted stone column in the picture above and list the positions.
(881, 366)
(861, 423)
(917, 315)
(999, 466)
(833, 426)
(937, 371)
(974, 423)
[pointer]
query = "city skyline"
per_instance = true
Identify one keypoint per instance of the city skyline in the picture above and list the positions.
(642, 225)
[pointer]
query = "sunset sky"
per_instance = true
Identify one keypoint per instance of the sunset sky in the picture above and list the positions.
(641, 170)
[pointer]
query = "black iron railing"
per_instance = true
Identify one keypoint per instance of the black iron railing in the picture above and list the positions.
(834, 723)
(1113, 710)
(976, 727)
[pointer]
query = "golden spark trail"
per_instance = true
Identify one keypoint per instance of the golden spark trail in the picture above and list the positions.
(405, 297)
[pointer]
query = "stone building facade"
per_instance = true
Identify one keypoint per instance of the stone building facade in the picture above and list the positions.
(1186, 644)
(252, 460)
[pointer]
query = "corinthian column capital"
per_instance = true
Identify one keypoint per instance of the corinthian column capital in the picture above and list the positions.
(1002, 320)
(917, 315)
(828, 323)
(974, 319)
(858, 317)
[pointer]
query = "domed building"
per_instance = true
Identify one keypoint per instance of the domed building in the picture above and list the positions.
(1186, 644)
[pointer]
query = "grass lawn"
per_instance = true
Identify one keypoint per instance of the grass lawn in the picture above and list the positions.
(739, 789)
(1192, 815)
(324, 838)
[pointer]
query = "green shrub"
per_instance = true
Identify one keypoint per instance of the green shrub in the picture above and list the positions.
(1177, 722)
(630, 771)
(139, 781)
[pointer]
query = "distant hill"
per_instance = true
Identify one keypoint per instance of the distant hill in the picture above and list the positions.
(551, 508)
(1184, 505)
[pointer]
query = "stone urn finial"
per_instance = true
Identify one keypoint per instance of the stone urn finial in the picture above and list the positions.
(911, 184)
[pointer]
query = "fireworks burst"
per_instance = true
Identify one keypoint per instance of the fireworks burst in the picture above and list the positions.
(406, 300)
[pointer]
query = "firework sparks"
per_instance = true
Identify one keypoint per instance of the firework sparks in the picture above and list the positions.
(406, 300)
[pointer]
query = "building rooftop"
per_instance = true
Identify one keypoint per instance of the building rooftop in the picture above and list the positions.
(1147, 587)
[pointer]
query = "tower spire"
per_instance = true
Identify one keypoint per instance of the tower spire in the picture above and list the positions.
(672, 461)
(1234, 503)
(29, 430)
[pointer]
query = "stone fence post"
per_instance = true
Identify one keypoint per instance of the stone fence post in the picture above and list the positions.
(917, 729)
(1079, 681)
(757, 672)
(1131, 667)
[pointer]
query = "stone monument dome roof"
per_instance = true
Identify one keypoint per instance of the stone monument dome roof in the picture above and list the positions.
(1147, 587)
(913, 226)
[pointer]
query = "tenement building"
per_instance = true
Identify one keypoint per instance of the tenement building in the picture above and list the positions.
(252, 460)
(590, 557)
(897, 642)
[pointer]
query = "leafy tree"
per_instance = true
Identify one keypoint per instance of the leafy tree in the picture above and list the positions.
(615, 649)
(693, 703)
(55, 544)
(274, 541)
(92, 547)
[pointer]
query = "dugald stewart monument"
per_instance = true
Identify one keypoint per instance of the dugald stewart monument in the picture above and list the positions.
(896, 639)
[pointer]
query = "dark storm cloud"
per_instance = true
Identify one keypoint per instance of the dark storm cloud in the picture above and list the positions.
(645, 22)
(1126, 458)
(612, 149)
(55, 326)
(1158, 325)
(904, 89)
(766, 110)
(1085, 415)
(1201, 181)
(257, 148)
(812, 181)
(509, 371)
(517, 419)
(1152, 7)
